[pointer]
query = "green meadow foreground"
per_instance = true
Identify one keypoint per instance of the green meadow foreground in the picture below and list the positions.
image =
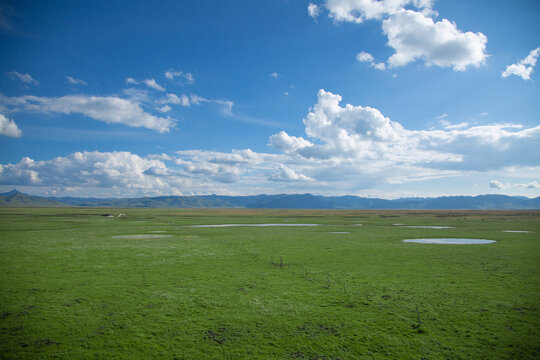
(74, 286)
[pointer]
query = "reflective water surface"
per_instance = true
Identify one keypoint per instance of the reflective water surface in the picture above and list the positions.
(451, 241)
(256, 225)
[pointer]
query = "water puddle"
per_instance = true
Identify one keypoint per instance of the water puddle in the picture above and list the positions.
(450, 241)
(339, 232)
(517, 231)
(146, 236)
(245, 225)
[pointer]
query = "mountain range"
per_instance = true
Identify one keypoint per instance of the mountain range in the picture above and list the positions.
(15, 198)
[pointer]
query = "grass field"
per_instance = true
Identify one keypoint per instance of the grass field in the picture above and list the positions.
(69, 290)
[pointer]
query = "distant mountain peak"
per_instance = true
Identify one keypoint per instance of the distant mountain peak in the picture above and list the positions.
(10, 193)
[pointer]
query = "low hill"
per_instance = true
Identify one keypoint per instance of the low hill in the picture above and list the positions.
(283, 201)
(18, 199)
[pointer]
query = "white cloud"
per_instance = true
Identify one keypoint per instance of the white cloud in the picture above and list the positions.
(414, 36)
(288, 144)
(367, 57)
(171, 74)
(109, 109)
(364, 57)
(172, 99)
(524, 67)
(151, 83)
(345, 149)
(313, 10)
(197, 100)
(75, 81)
(496, 184)
(9, 128)
(22, 173)
(449, 126)
(164, 108)
(182, 100)
(531, 185)
(122, 171)
(287, 174)
(359, 10)
(354, 132)
(275, 75)
(363, 135)
(379, 66)
(221, 167)
(25, 78)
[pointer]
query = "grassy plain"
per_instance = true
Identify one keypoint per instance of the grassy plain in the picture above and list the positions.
(68, 290)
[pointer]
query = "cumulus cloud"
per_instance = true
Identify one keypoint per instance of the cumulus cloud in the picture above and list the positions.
(531, 185)
(313, 10)
(364, 135)
(275, 75)
(288, 144)
(355, 132)
(346, 147)
(496, 184)
(122, 170)
(287, 174)
(379, 66)
(359, 10)
(524, 67)
(414, 35)
(25, 78)
(75, 81)
(367, 57)
(9, 128)
(364, 57)
(109, 109)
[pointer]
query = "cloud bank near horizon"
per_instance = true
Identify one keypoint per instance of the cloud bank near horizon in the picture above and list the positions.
(346, 147)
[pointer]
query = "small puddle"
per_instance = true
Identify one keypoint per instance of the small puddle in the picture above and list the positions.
(140, 236)
(517, 231)
(339, 232)
(245, 225)
(449, 241)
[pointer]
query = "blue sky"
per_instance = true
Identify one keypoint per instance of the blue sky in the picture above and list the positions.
(391, 98)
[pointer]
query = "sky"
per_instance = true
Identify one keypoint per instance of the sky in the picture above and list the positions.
(388, 98)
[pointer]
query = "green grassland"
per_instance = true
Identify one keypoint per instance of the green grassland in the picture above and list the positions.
(68, 290)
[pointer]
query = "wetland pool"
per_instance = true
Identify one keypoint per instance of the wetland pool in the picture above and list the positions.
(450, 241)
